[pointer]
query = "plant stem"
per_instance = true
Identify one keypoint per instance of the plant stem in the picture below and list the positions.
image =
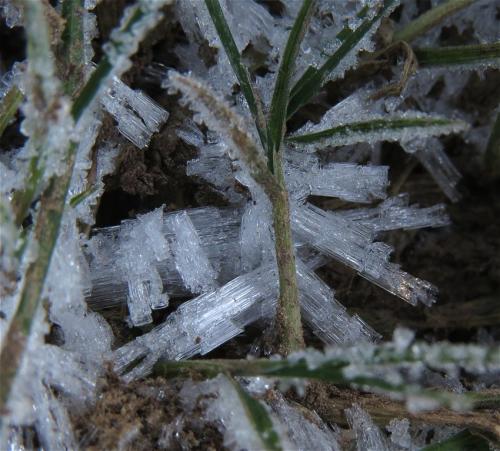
(383, 410)
(459, 55)
(9, 106)
(430, 19)
(45, 233)
(288, 319)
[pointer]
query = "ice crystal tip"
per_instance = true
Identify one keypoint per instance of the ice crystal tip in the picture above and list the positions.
(137, 115)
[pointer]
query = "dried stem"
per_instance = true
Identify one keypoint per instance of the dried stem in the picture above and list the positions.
(288, 318)
(330, 402)
(53, 199)
(46, 232)
(430, 19)
(219, 117)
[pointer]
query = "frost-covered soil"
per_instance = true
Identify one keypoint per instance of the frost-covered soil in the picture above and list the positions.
(177, 255)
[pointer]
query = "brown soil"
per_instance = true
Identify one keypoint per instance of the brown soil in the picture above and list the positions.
(136, 416)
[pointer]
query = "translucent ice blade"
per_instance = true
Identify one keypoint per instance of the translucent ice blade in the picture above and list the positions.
(218, 231)
(212, 164)
(305, 429)
(137, 115)
(368, 435)
(203, 323)
(351, 182)
(443, 171)
(142, 245)
(256, 238)
(395, 213)
(138, 302)
(190, 259)
(325, 315)
(352, 244)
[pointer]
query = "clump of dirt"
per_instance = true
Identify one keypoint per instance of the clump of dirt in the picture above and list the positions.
(136, 416)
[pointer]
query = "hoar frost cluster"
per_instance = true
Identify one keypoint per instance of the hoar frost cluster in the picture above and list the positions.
(223, 259)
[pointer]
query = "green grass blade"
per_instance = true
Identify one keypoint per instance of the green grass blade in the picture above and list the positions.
(348, 366)
(239, 69)
(54, 195)
(260, 419)
(380, 129)
(72, 45)
(472, 55)
(311, 81)
(277, 114)
(463, 441)
(9, 106)
(430, 19)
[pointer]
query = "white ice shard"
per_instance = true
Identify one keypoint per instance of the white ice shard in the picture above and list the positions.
(432, 156)
(368, 435)
(395, 213)
(304, 429)
(46, 368)
(203, 323)
(207, 321)
(191, 261)
(221, 405)
(351, 182)
(352, 244)
(218, 231)
(327, 318)
(212, 163)
(256, 232)
(137, 115)
(400, 433)
(142, 246)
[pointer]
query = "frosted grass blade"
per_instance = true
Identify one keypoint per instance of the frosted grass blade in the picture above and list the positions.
(277, 115)
(9, 106)
(72, 45)
(379, 367)
(312, 80)
(391, 129)
(259, 418)
(462, 55)
(239, 69)
(53, 199)
(430, 19)
(221, 118)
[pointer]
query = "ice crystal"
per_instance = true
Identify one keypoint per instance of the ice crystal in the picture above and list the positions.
(142, 245)
(368, 436)
(305, 430)
(400, 434)
(223, 259)
(137, 115)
